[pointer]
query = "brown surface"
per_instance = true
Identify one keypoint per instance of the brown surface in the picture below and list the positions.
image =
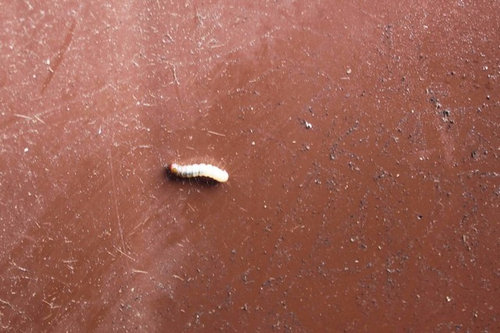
(382, 216)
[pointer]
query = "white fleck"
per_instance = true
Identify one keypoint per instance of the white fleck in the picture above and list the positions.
(26, 149)
(308, 124)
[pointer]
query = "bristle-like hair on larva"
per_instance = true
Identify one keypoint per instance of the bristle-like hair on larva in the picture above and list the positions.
(199, 170)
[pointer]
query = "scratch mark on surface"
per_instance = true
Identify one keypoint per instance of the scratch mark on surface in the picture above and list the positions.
(35, 117)
(126, 255)
(178, 277)
(19, 267)
(174, 73)
(57, 59)
(138, 226)
(6, 303)
(30, 6)
(177, 84)
(191, 207)
(22, 116)
(118, 220)
(51, 304)
(39, 119)
(215, 133)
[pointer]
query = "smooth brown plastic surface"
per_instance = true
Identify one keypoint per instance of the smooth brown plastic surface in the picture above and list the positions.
(361, 140)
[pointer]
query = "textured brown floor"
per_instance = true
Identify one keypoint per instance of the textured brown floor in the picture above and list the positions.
(361, 139)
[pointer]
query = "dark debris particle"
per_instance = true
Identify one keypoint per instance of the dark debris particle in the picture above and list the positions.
(446, 116)
(434, 101)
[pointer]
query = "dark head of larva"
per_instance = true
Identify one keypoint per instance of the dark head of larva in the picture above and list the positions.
(170, 171)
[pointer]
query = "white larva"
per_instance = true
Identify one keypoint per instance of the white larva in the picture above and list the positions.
(199, 170)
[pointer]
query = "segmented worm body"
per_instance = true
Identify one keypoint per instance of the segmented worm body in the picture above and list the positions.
(199, 170)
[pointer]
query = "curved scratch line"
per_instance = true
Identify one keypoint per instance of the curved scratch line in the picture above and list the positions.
(115, 201)
(56, 61)
(177, 92)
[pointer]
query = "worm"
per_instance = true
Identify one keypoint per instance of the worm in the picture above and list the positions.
(199, 170)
